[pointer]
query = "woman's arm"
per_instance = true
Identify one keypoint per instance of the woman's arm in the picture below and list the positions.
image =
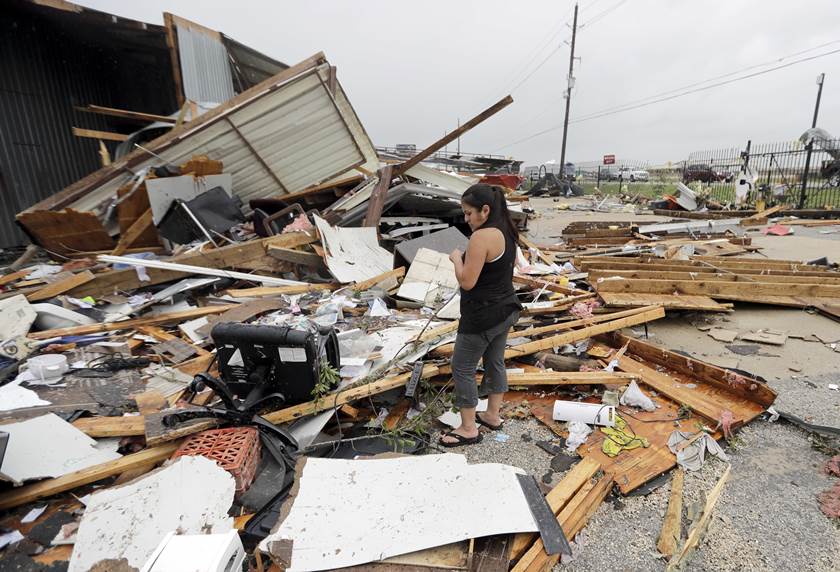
(467, 271)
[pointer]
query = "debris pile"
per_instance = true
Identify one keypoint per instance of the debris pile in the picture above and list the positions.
(246, 325)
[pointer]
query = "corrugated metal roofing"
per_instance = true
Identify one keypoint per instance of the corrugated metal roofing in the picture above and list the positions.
(205, 68)
(296, 129)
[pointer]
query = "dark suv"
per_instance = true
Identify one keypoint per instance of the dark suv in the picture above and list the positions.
(702, 173)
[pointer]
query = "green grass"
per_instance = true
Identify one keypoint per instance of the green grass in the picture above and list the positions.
(651, 190)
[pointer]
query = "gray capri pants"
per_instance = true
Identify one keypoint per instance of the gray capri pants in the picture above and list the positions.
(489, 346)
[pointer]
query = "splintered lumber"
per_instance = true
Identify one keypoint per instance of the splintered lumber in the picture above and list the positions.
(94, 134)
(648, 315)
(545, 285)
(453, 135)
(137, 228)
(61, 286)
(339, 398)
(698, 529)
(529, 245)
(279, 290)
(224, 257)
(669, 538)
(126, 114)
(573, 519)
(50, 487)
(449, 349)
(570, 378)
(744, 291)
(762, 216)
(715, 276)
(557, 499)
(667, 301)
(396, 273)
(131, 324)
(100, 427)
(296, 256)
(162, 336)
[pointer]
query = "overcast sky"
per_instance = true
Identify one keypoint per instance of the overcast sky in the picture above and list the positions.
(412, 69)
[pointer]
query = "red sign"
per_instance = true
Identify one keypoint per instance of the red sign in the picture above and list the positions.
(609, 159)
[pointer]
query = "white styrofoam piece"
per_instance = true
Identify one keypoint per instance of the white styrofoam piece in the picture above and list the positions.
(590, 413)
(192, 495)
(48, 446)
(186, 187)
(16, 317)
(197, 553)
(352, 512)
(353, 254)
(429, 271)
(454, 419)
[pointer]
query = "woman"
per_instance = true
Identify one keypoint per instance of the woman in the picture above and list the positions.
(488, 310)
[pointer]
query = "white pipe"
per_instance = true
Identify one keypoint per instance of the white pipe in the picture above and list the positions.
(200, 270)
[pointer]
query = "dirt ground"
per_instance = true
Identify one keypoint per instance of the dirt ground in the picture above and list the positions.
(768, 517)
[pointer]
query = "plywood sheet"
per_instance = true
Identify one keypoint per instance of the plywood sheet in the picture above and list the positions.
(668, 301)
(416, 500)
(67, 231)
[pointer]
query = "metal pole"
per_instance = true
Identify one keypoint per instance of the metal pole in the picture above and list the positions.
(809, 148)
(568, 95)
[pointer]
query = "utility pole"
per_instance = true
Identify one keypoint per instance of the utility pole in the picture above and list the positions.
(571, 81)
(810, 147)
(459, 138)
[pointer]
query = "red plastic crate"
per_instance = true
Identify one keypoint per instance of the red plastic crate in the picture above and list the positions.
(235, 449)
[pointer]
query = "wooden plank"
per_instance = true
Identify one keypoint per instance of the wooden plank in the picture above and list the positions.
(140, 226)
(279, 290)
(101, 135)
(50, 487)
(667, 301)
(126, 114)
(163, 336)
(334, 400)
(61, 286)
(722, 379)
(100, 427)
(698, 530)
(224, 257)
(725, 290)
(573, 519)
(557, 498)
(66, 231)
(669, 537)
(174, 58)
(377, 197)
(762, 216)
(13, 277)
(296, 256)
(131, 324)
(544, 285)
(528, 244)
(396, 273)
(700, 269)
(570, 378)
(453, 135)
(714, 277)
(132, 204)
(648, 315)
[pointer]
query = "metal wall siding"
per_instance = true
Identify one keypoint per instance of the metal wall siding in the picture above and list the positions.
(43, 76)
(296, 129)
(205, 67)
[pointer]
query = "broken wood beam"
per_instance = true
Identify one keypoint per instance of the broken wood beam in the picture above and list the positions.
(137, 228)
(279, 290)
(125, 114)
(669, 537)
(339, 398)
(396, 273)
(131, 324)
(61, 286)
(101, 135)
(377, 197)
(727, 290)
(296, 256)
(557, 498)
(100, 427)
(452, 136)
(571, 378)
(698, 529)
(54, 486)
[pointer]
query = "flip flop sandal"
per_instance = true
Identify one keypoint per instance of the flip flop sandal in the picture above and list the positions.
(461, 440)
(481, 421)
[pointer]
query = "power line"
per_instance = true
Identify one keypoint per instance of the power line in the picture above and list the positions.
(704, 88)
(602, 15)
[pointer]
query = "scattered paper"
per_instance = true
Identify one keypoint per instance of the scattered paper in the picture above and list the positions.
(33, 514)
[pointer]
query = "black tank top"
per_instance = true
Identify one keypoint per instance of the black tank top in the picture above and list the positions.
(492, 299)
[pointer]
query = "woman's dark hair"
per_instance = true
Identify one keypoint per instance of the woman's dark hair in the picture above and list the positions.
(494, 197)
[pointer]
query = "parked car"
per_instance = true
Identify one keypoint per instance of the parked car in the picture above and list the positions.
(626, 174)
(702, 173)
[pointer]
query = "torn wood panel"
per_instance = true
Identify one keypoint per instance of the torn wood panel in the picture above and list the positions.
(100, 427)
(223, 257)
(133, 204)
(61, 286)
(66, 231)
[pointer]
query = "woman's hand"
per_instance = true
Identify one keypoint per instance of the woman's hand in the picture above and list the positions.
(456, 256)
